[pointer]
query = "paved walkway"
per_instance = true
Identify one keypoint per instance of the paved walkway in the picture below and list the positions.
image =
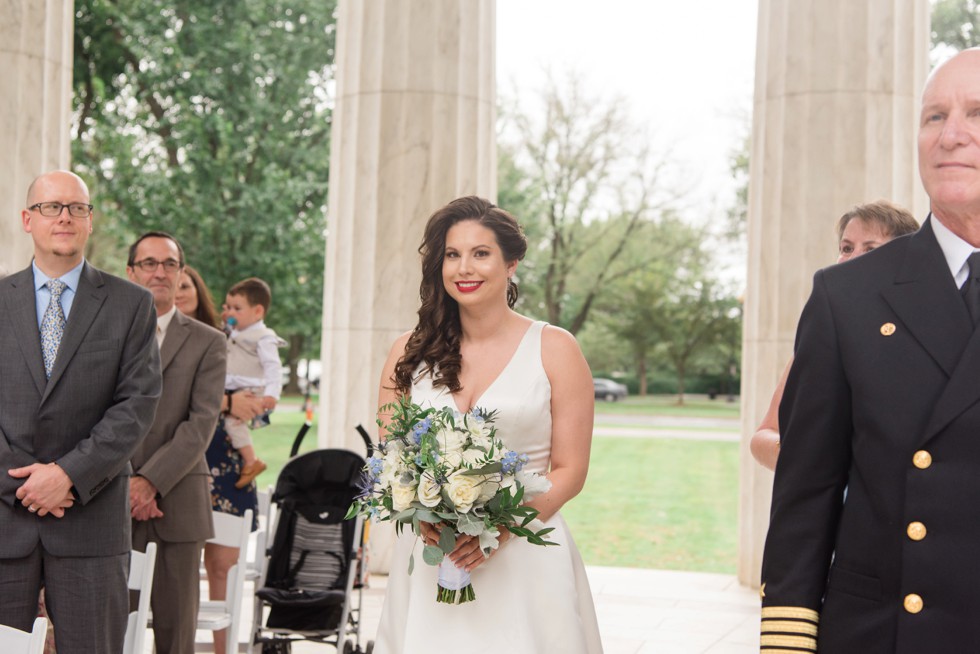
(641, 612)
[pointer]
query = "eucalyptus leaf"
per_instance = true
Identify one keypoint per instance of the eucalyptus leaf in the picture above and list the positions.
(425, 515)
(488, 469)
(447, 540)
(432, 555)
(404, 516)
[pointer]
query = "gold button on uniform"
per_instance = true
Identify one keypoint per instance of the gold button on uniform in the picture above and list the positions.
(888, 329)
(916, 530)
(912, 603)
(922, 459)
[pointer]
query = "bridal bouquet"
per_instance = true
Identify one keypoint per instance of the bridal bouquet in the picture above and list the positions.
(445, 467)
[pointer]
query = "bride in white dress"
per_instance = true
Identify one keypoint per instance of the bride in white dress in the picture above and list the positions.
(471, 349)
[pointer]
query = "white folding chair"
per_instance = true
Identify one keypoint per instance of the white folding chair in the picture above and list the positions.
(141, 566)
(257, 558)
(258, 542)
(15, 641)
(256, 554)
(230, 531)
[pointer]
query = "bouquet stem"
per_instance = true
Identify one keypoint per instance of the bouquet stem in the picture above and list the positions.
(454, 584)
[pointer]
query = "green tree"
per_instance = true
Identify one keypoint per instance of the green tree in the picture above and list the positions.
(738, 166)
(955, 25)
(210, 120)
(591, 186)
(689, 323)
(631, 306)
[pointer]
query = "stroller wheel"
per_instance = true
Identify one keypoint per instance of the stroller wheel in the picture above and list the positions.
(277, 647)
(348, 647)
(369, 648)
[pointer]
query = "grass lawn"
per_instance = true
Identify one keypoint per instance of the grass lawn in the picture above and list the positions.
(658, 503)
(648, 503)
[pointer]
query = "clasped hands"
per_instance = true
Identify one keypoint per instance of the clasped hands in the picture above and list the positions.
(143, 499)
(467, 554)
(47, 489)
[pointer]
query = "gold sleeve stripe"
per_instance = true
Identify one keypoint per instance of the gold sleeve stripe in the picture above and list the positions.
(789, 627)
(790, 612)
(780, 650)
(805, 643)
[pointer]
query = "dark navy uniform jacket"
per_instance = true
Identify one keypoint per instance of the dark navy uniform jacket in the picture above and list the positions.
(883, 399)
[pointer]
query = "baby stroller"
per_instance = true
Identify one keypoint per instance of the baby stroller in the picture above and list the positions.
(315, 562)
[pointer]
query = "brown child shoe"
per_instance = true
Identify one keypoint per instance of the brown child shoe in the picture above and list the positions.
(250, 472)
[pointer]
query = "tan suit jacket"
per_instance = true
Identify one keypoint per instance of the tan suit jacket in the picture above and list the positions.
(171, 457)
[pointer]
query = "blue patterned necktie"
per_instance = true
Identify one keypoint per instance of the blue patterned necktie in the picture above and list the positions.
(52, 326)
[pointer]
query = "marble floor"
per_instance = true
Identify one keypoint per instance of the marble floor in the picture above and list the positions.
(640, 612)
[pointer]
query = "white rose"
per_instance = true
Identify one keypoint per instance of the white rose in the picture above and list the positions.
(481, 440)
(488, 488)
(472, 457)
(450, 440)
(402, 496)
(392, 467)
(464, 490)
(453, 459)
(430, 493)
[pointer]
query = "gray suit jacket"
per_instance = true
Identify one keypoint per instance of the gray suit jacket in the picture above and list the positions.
(171, 456)
(88, 417)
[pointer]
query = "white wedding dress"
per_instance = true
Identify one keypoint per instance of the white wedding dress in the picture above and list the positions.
(530, 599)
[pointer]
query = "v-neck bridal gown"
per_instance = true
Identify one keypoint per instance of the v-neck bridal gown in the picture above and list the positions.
(529, 599)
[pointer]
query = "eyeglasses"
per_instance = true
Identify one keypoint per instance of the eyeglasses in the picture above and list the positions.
(53, 209)
(150, 265)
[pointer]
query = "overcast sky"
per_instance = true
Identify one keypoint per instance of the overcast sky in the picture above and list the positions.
(685, 68)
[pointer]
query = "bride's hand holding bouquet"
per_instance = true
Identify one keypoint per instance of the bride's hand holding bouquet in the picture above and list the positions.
(450, 472)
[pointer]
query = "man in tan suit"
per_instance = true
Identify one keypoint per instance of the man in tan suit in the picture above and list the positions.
(170, 498)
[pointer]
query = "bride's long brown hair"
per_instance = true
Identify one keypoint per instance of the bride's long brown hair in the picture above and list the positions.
(434, 343)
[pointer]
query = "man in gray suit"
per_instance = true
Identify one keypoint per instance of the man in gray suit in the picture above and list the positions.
(79, 384)
(170, 498)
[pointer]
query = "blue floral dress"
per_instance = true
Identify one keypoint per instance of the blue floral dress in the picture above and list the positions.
(226, 467)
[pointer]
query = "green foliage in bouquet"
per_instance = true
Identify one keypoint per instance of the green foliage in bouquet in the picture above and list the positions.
(450, 469)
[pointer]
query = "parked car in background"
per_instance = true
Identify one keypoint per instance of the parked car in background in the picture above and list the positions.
(608, 390)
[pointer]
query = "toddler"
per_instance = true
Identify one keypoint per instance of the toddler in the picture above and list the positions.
(253, 365)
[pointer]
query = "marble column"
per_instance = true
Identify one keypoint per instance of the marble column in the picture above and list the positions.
(413, 128)
(35, 108)
(834, 124)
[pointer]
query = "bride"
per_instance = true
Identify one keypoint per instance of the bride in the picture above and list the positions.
(471, 349)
